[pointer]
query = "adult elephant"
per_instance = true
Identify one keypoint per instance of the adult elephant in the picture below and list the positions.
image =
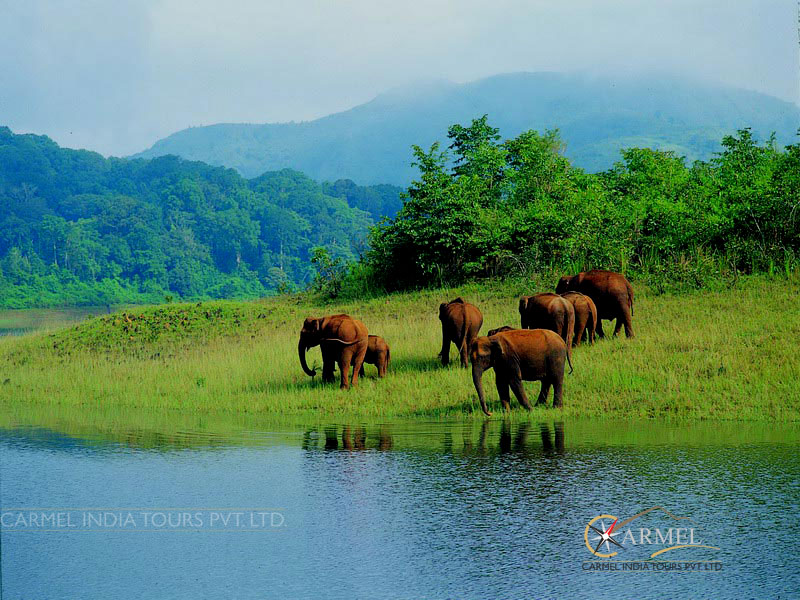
(516, 356)
(612, 294)
(461, 322)
(342, 339)
(585, 316)
(548, 311)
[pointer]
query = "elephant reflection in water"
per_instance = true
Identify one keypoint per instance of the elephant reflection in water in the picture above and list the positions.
(518, 443)
(547, 441)
(352, 438)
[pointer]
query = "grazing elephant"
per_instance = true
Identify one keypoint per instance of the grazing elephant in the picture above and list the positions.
(612, 294)
(377, 354)
(549, 311)
(500, 329)
(585, 316)
(461, 322)
(520, 355)
(341, 338)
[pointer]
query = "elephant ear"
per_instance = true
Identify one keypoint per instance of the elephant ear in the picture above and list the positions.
(442, 309)
(497, 351)
(503, 356)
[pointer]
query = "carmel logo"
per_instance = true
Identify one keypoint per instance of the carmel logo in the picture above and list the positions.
(606, 536)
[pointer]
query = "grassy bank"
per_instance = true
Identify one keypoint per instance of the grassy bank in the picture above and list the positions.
(724, 355)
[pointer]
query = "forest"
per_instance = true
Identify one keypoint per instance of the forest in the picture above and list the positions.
(482, 207)
(79, 229)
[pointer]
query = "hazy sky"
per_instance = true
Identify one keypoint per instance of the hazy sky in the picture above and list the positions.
(115, 75)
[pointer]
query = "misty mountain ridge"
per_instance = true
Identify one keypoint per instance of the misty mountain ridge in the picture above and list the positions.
(597, 117)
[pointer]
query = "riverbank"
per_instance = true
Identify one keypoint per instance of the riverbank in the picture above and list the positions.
(722, 355)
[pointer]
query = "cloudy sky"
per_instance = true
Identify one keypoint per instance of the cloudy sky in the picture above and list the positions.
(114, 76)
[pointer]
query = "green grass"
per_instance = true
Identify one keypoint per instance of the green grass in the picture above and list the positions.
(724, 355)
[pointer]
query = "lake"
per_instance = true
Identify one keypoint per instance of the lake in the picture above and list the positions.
(28, 320)
(405, 510)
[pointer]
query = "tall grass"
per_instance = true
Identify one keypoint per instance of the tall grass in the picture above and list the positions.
(727, 355)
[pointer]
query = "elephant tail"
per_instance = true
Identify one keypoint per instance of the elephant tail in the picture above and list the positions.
(630, 297)
(346, 343)
(569, 362)
(462, 335)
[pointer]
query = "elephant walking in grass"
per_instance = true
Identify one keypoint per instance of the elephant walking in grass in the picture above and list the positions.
(585, 316)
(516, 356)
(549, 311)
(461, 322)
(611, 292)
(342, 339)
(378, 354)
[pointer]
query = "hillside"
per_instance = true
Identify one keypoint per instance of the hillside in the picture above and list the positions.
(77, 228)
(596, 116)
(242, 358)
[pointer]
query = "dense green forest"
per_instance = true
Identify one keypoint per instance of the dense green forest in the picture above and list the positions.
(485, 207)
(77, 228)
(597, 116)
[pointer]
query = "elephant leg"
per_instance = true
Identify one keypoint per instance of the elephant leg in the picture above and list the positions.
(578, 337)
(328, 365)
(502, 389)
(544, 392)
(600, 333)
(358, 356)
(344, 367)
(361, 371)
(464, 354)
(627, 321)
(558, 390)
(519, 392)
(445, 353)
(617, 326)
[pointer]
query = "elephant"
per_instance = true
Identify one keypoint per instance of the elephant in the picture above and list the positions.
(520, 355)
(378, 354)
(342, 339)
(499, 329)
(612, 294)
(461, 322)
(585, 316)
(549, 311)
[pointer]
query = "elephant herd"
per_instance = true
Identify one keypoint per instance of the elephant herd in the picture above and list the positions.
(550, 325)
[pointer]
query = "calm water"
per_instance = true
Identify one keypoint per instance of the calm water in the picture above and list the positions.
(20, 322)
(397, 511)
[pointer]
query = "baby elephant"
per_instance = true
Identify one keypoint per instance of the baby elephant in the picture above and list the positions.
(516, 356)
(377, 354)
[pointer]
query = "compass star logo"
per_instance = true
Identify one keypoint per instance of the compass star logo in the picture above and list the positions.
(600, 532)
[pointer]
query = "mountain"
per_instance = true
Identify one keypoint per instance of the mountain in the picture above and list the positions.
(78, 228)
(596, 116)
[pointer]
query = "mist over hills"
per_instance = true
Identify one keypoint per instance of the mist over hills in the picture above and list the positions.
(596, 116)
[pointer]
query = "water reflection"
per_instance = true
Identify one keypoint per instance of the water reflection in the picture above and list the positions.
(461, 509)
(487, 439)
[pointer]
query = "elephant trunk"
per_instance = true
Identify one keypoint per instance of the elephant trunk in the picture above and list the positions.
(477, 379)
(301, 351)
